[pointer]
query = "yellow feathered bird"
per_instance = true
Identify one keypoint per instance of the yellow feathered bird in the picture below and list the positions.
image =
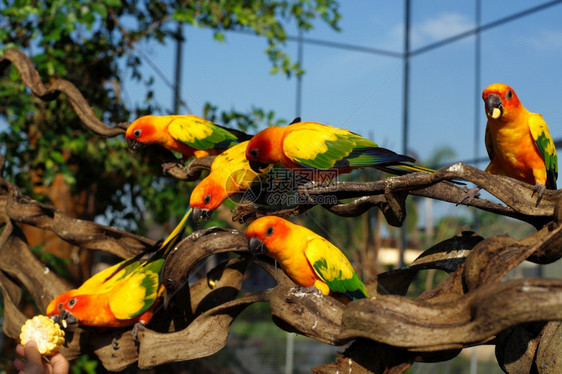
(518, 142)
(306, 257)
(188, 134)
(230, 174)
(121, 295)
(315, 146)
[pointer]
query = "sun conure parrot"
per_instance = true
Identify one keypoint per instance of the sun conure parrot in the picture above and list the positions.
(230, 174)
(306, 257)
(518, 142)
(121, 295)
(187, 134)
(313, 145)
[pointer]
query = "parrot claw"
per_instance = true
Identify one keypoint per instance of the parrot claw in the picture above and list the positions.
(114, 343)
(310, 290)
(540, 189)
(135, 331)
(468, 196)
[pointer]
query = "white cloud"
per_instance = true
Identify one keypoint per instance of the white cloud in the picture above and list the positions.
(545, 40)
(431, 30)
(440, 27)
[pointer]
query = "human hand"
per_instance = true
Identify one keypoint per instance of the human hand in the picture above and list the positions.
(33, 363)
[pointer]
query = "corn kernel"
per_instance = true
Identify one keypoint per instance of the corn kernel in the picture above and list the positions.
(46, 333)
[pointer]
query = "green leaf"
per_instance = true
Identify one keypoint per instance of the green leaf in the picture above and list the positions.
(57, 157)
(219, 36)
(99, 8)
(113, 3)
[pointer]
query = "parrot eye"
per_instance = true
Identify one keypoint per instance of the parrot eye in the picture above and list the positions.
(269, 231)
(254, 153)
(509, 94)
(137, 133)
(71, 302)
(59, 307)
(207, 199)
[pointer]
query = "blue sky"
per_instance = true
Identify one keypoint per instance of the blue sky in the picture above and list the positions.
(363, 92)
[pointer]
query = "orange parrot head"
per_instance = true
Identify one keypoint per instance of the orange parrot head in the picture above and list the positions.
(143, 131)
(501, 102)
(206, 197)
(65, 308)
(268, 234)
(265, 148)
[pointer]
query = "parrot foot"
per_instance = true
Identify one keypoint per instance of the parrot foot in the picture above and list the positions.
(539, 189)
(135, 331)
(309, 290)
(115, 343)
(468, 196)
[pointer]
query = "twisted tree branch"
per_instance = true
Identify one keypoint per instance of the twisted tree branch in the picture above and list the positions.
(31, 78)
(389, 195)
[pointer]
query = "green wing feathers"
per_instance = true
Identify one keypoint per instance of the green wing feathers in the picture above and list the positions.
(327, 149)
(138, 293)
(134, 284)
(105, 280)
(331, 265)
(401, 169)
(313, 145)
(200, 134)
(136, 290)
(546, 147)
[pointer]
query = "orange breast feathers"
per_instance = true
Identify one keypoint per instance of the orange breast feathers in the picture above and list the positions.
(286, 245)
(516, 155)
(518, 142)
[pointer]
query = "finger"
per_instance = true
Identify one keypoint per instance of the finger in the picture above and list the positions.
(32, 353)
(19, 364)
(19, 350)
(60, 364)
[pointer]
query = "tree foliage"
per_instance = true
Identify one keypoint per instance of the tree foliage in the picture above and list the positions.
(89, 43)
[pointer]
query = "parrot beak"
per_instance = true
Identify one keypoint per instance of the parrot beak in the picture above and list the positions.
(494, 107)
(64, 318)
(257, 166)
(199, 213)
(134, 144)
(256, 246)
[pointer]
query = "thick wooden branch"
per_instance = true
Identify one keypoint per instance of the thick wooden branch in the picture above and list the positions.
(471, 319)
(549, 348)
(389, 195)
(85, 234)
(204, 337)
(515, 194)
(195, 248)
